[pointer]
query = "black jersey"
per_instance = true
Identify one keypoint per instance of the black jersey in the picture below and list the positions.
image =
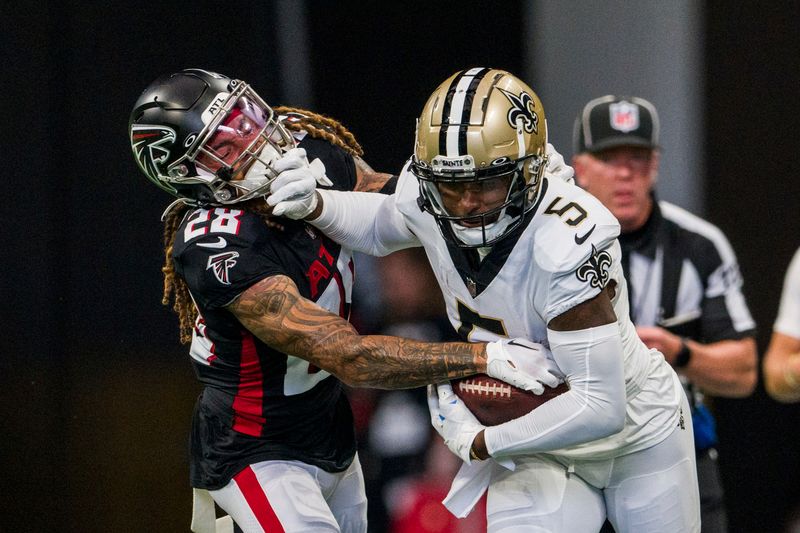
(259, 403)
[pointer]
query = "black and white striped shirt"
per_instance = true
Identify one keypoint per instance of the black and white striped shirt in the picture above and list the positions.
(683, 275)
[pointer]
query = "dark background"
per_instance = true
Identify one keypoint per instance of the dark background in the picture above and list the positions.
(96, 392)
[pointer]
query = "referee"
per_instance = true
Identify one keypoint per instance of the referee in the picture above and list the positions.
(683, 278)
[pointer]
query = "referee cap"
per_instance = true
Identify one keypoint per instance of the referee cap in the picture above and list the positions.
(611, 121)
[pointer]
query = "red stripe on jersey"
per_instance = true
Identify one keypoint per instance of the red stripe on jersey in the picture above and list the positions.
(257, 500)
(340, 284)
(247, 413)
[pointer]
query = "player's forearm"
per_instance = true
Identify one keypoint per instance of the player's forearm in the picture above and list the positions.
(273, 310)
(366, 222)
(725, 368)
(594, 407)
(396, 363)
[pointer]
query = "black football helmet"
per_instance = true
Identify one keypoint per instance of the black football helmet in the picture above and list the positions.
(176, 117)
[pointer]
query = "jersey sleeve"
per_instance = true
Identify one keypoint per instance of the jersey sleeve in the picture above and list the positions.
(587, 272)
(340, 166)
(788, 321)
(219, 266)
(577, 247)
(725, 314)
(370, 223)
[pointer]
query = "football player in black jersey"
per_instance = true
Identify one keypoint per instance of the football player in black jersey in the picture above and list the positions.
(264, 305)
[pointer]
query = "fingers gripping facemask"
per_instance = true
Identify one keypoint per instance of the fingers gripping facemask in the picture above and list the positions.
(258, 177)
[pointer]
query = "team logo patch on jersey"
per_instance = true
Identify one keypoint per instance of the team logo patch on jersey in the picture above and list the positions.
(595, 269)
(522, 109)
(151, 145)
(221, 264)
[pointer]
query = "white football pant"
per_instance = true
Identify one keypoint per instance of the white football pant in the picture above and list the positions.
(650, 491)
(291, 496)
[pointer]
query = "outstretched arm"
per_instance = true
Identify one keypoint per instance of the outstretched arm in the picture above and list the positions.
(276, 313)
(361, 220)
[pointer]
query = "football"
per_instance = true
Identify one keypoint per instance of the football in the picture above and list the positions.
(493, 401)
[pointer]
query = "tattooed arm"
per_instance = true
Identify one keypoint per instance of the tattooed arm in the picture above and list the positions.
(367, 180)
(276, 313)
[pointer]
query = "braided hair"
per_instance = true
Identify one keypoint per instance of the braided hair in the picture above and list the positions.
(175, 289)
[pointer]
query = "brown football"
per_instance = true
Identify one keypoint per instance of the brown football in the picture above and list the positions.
(493, 401)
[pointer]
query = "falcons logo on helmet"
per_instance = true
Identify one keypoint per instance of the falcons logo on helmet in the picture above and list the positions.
(522, 109)
(151, 146)
(595, 270)
(221, 264)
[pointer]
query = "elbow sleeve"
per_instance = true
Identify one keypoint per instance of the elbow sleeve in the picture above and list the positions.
(594, 407)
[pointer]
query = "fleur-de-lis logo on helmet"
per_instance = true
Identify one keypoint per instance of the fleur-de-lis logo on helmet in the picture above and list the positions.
(522, 108)
(595, 269)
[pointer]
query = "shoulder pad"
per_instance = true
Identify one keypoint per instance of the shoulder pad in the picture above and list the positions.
(569, 223)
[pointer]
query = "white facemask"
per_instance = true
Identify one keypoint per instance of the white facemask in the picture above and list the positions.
(475, 236)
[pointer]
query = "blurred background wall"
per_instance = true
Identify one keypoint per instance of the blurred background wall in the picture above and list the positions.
(95, 391)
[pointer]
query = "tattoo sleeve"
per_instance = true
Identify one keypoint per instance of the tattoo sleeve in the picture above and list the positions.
(276, 313)
(367, 180)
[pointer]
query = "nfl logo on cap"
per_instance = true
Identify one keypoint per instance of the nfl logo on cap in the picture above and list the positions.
(624, 116)
(611, 121)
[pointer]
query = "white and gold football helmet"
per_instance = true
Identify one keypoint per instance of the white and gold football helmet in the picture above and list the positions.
(481, 124)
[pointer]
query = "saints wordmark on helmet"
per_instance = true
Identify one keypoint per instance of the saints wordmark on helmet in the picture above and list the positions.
(595, 269)
(522, 108)
(152, 145)
(221, 265)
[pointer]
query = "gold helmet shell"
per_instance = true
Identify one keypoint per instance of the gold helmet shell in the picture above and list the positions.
(477, 119)
(479, 124)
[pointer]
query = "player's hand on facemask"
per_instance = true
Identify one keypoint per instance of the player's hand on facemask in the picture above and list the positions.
(556, 166)
(452, 420)
(522, 363)
(293, 191)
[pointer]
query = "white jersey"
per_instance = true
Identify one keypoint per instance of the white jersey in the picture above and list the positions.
(563, 254)
(788, 321)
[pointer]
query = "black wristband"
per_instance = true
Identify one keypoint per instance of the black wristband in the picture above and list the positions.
(684, 355)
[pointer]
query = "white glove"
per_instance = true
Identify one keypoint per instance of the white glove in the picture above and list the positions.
(522, 363)
(452, 420)
(556, 166)
(293, 192)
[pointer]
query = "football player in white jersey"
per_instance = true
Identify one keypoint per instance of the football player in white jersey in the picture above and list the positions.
(521, 253)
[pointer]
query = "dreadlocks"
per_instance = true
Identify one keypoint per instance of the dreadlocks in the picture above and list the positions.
(175, 289)
(320, 126)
